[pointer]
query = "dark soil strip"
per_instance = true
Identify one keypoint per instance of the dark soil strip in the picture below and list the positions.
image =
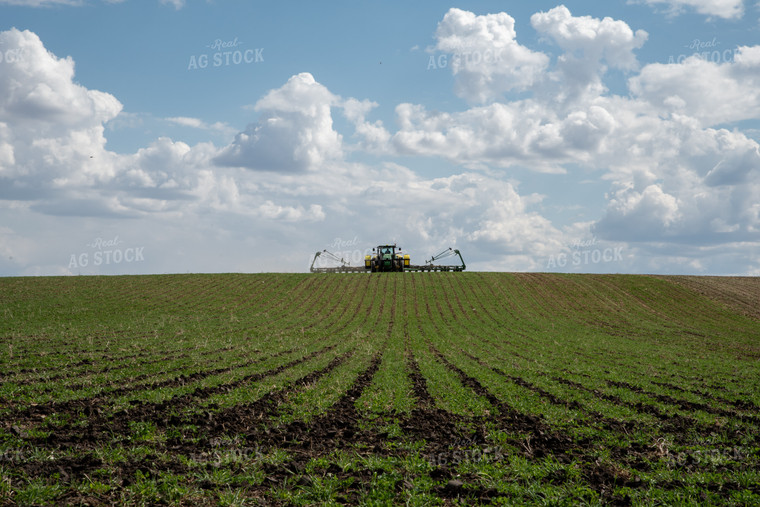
(57, 367)
(115, 363)
(253, 416)
(682, 404)
(110, 368)
(466, 380)
(606, 422)
(677, 425)
(114, 366)
(182, 380)
(419, 385)
(541, 392)
(740, 404)
(101, 426)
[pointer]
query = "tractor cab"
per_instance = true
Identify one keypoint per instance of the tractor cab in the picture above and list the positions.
(385, 258)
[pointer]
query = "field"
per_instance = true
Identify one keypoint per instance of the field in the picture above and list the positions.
(390, 388)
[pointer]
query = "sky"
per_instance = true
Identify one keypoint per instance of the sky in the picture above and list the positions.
(185, 136)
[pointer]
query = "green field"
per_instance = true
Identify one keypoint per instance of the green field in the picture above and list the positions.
(379, 389)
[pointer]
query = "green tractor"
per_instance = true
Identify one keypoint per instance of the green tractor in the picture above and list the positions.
(386, 258)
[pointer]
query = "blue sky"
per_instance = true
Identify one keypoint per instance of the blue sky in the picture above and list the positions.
(244, 136)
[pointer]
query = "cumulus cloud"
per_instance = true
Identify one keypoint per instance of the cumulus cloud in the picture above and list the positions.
(373, 137)
(294, 132)
(566, 120)
(698, 185)
(637, 216)
(711, 92)
(590, 45)
(51, 128)
(523, 133)
(738, 167)
(291, 213)
(488, 61)
(591, 39)
(53, 152)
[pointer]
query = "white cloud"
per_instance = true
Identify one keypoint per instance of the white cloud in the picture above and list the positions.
(727, 9)
(294, 132)
(591, 39)
(681, 183)
(291, 213)
(737, 168)
(566, 120)
(37, 88)
(485, 216)
(197, 123)
(635, 215)
(373, 135)
(487, 61)
(590, 45)
(51, 129)
(712, 92)
(524, 133)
